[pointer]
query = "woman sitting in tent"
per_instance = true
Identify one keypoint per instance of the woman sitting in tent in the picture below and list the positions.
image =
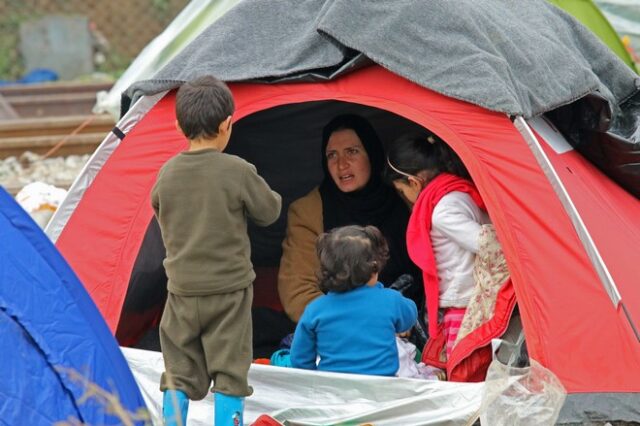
(450, 238)
(352, 193)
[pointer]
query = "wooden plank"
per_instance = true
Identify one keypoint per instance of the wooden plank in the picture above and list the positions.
(52, 88)
(64, 125)
(57, 104)
(6, 110)
(84, 143)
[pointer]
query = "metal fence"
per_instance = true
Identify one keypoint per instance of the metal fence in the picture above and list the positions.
(118, 29)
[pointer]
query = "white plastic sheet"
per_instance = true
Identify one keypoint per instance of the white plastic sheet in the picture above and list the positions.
(301, 397)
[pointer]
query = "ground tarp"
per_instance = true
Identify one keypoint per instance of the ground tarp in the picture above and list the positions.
(313, 398)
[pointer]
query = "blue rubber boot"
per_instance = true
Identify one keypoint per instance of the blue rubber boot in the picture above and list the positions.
(175, 405)
(229, 410)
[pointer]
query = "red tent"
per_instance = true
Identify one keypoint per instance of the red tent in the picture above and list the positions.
(570, 234)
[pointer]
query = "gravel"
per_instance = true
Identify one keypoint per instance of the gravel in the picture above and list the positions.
(16, 172)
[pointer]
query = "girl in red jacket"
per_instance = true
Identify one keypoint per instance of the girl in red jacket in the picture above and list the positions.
(443, 230)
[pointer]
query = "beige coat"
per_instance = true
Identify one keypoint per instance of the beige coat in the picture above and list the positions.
(297, 281)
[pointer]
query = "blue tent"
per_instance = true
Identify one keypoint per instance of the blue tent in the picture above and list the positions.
(54, 341)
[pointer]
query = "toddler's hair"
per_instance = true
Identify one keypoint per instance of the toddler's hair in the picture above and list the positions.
(349, 256)
(201, 105)
(411, 153)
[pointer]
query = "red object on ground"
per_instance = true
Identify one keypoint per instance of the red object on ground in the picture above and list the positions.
(266, 420)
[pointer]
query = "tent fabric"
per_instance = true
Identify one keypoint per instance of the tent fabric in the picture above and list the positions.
(520, 58)
(95, 163)
(51, 329)
(547, 261)
(118, 194)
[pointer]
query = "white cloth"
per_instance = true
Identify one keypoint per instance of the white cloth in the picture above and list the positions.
(455, 226)
(406, 357)
(40, 200)
(409, 368)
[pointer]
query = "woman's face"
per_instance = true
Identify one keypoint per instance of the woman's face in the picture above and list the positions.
(347, 161)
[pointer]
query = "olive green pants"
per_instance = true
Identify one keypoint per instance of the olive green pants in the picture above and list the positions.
(205, 338)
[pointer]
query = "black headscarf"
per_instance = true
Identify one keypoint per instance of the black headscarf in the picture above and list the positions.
(376, 204)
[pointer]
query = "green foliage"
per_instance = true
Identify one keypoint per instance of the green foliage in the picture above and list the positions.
(11, 65)
(161, 6)
(113, 60)
(115, 64)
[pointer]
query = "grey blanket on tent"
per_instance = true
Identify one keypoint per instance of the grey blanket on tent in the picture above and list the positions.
(517, 57)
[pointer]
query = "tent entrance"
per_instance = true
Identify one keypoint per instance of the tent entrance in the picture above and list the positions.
(283, 143)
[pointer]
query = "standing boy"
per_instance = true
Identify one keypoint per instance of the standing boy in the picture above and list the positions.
(202, 199)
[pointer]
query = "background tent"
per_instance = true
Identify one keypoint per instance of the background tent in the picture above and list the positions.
(588, 13)
(464, 70)
(194, 18)
(51, 332)
(624, 15)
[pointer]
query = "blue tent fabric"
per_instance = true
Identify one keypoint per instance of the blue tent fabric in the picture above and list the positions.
(50, 329)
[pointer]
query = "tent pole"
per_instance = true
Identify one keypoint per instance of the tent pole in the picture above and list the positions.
(93, 166)
(582, 231)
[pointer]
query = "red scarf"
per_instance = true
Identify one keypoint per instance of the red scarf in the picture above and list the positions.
(419, 235)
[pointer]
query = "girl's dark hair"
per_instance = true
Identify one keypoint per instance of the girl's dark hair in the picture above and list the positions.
(412, 153)
(349, 256)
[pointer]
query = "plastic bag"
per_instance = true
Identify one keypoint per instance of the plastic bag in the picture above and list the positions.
(521, 396)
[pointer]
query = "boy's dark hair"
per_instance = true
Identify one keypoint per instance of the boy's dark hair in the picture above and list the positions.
(414, 152)
(349, 256)
(201, 105)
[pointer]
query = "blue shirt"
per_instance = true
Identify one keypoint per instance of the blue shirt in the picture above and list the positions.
(353, 332)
